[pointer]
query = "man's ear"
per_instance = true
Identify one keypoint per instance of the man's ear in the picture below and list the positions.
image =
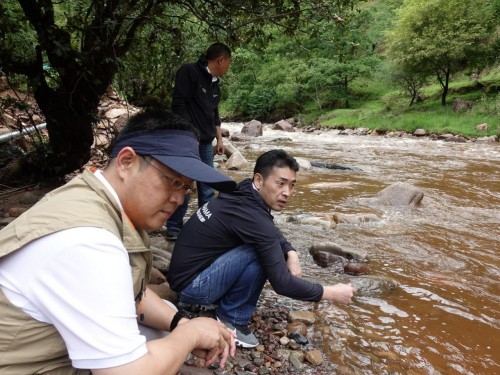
(125, 158)
(258, 180)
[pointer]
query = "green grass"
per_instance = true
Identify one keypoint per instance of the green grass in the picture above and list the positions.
(376, 105)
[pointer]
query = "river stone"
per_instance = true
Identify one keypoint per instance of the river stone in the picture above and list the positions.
(400, 194)
(325, 259)
(356, 269)
(259, 361)
(333, 248)
(283, 125)
(490, 139)
(295, 361)
(298, 338)
(314, 357)
(339, 218)
(17, 211)
(297, 327)
(281, 353)
(327, 165)
(306, 317)
(372, 285)
(236, 162)
(252, 128)
(284, 340)
(294, 345)
(327, 224)
(420, 132)
(239, 137)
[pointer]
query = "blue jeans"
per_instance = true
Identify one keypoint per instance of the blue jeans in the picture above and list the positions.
(233, 281)
(205, 192)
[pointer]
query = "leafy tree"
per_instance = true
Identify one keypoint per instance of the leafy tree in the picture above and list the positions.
(440, 37)
(84, 42)
(317, 63)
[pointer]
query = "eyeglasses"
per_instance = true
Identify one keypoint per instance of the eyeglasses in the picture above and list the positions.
(175, 184)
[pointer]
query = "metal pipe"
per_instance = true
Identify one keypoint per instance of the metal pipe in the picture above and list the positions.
(28, 130)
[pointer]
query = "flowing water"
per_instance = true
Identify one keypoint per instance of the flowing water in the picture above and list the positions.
(443, 318)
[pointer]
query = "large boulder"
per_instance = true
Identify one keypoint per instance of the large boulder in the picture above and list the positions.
(237, 161)
(252, 128)
(283, 125)
(400, 194)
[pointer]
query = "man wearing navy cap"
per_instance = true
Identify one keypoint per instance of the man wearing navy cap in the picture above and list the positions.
(74, 268)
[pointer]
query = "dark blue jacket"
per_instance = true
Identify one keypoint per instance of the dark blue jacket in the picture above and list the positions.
(196, 98)
(230, 220)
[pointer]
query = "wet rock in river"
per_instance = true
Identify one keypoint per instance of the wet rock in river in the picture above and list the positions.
(356, 268)
(283, 125)
(317, 221)
(340, 218)
(400, 194)
(325, 259)
(373, 285)
(323, 164)
(252, 128)
(333, 248)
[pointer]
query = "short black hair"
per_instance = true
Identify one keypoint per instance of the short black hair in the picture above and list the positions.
(216, 50)
(274, 158)
(156, 119)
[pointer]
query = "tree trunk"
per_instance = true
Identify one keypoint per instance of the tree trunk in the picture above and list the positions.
(70, 132)
(445, 87)
(70, 111)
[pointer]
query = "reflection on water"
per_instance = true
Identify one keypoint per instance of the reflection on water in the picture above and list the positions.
(444, 316)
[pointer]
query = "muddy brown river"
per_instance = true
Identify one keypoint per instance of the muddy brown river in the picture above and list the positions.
(443, 318)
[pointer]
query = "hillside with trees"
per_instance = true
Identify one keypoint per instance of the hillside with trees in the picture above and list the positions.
(344, 63)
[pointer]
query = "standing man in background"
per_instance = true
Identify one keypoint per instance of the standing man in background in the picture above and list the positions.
(196, 98)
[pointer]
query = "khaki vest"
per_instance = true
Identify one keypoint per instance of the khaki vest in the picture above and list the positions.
(28, 346)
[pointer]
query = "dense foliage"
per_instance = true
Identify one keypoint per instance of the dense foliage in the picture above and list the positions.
(290, 56)
(442, 37)
(72, 50)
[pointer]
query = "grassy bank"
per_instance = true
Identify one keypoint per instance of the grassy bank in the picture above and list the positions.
(377, 105)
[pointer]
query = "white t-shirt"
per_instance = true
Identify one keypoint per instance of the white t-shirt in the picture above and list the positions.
(80, 281)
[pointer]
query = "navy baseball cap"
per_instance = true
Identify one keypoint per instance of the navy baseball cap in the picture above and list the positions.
(178, 150)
